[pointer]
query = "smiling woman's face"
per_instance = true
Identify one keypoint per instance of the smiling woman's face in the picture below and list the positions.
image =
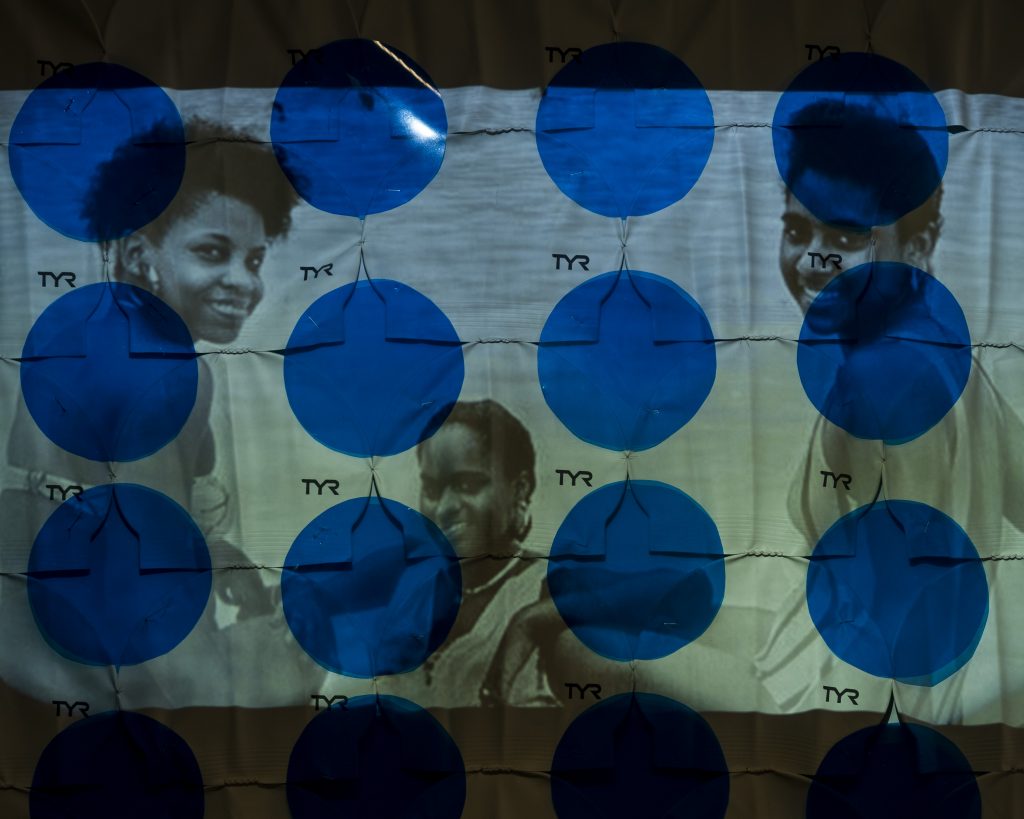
(465, 491)
(802, 234)
(207, 267)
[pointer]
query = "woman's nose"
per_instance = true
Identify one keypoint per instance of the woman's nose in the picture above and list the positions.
(448, 503)
(238, 276)
(813, 250)
(802, 261)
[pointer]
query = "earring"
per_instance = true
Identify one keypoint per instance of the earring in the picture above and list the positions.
(150, 277)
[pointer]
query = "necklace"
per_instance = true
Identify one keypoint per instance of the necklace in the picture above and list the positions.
(497, 578)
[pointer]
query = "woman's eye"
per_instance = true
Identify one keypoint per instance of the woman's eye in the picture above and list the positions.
(470, 485)
(429, 490)
(215, 254)
(255, 261)
(796, 231)
(852, 241)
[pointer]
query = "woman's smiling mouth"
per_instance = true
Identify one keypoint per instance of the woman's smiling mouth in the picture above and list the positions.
(233, 309)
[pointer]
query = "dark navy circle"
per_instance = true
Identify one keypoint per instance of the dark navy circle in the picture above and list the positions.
(884, 352)
(75, 123)
(375, 756)
(625, 129)
(898, 590)
(637, 570)
(109, 372)
(117, 764)
(371, 587)
(894, 771)
(118, 575)
(639, 754)
(372, 368)
(860, 140)
(626, 359)
(358, 128)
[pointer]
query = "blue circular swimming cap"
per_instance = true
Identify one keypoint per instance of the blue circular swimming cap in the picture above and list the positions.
(898, 590)
(626, 359)
(891, 772)
(72, 126)
(372, 368)
(639, 754)
(625, 129)
(358, 128)
(371, 587)
(860, 140)
(636, 570)
(109, 372)
(375, 757)
(117, 764)
(885, 351)
(118, 575)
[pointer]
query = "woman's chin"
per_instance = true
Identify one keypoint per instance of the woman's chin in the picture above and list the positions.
(219, 332)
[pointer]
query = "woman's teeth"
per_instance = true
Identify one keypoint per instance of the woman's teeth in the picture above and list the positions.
(231, 308)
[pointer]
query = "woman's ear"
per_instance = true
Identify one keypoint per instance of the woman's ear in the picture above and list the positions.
(519, 509)
(133, 261)
(521, 488)
(919, 247)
